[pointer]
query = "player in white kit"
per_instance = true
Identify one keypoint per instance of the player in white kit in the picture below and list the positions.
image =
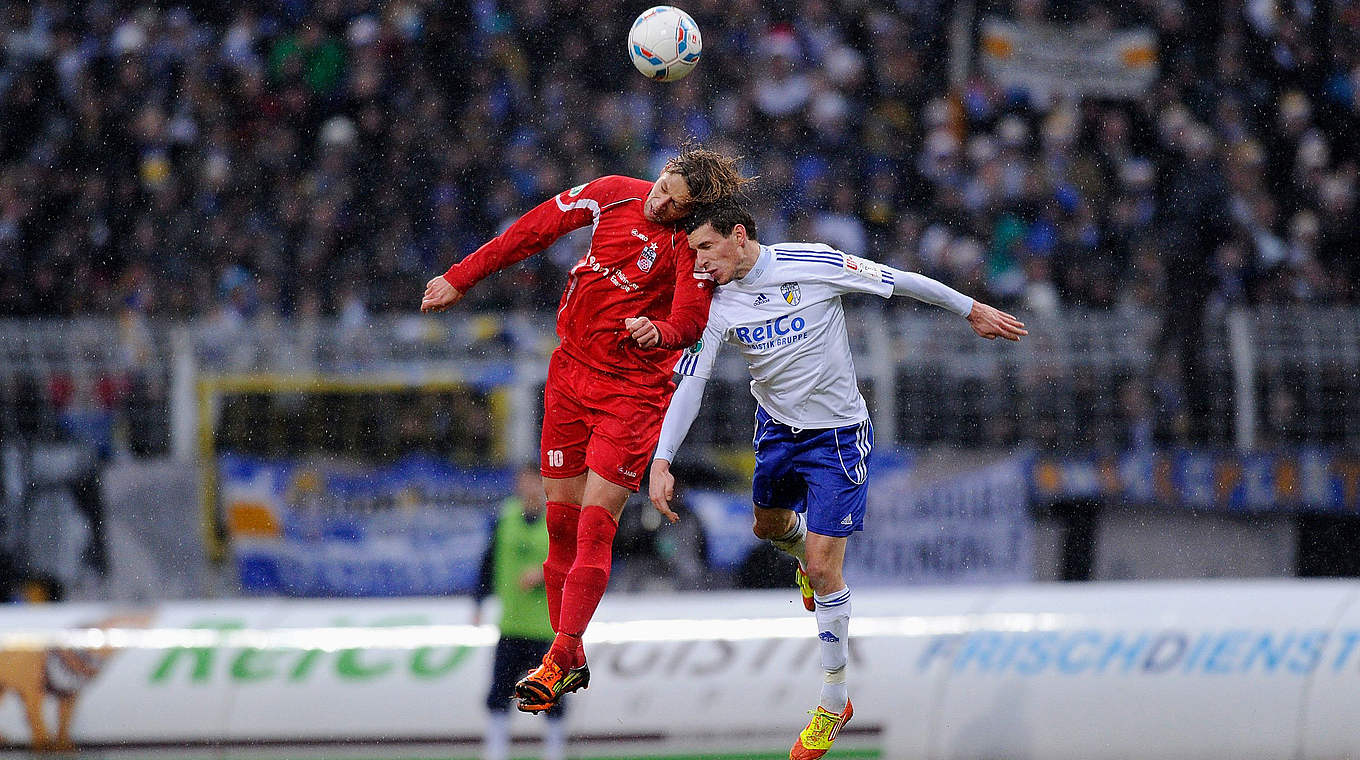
(780, 306)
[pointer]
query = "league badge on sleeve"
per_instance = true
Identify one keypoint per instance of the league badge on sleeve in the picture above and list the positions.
(865, 268)
(792, 295)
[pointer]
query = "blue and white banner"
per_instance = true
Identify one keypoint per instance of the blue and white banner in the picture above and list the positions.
(330, 528)
(1304, 480)
(972, 527)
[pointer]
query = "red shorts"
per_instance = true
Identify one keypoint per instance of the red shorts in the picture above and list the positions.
(599, 421)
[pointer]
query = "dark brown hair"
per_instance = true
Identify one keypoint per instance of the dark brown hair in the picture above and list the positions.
(724, 214)
(709, 174)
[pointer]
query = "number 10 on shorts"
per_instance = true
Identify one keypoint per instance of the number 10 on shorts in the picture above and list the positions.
(554, 457)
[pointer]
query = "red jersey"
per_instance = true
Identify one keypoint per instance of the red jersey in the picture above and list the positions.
(635, 268)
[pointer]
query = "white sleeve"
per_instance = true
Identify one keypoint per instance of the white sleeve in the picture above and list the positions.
(698, 359)
(848, 273)
(923, 288)
(679, 416)
(858, 275)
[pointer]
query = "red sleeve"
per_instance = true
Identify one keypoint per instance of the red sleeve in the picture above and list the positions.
(689, 308)
(531, 233)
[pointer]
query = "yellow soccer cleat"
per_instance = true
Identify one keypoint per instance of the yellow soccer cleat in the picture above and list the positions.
(820, 733)
(805, 586)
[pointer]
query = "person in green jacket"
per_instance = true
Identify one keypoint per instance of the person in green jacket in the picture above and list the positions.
(512, 569)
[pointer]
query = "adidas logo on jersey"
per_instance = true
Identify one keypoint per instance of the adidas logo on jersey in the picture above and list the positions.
(848, 520)
(761, 300)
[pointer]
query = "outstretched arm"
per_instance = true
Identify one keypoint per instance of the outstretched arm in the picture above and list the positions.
(986, 321)
(931, 291)
(679, 417)
(539, 228)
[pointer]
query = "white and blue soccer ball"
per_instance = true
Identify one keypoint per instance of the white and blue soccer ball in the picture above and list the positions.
(664, 43)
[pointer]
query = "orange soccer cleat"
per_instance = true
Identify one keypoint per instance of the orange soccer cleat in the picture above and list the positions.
(543, 686)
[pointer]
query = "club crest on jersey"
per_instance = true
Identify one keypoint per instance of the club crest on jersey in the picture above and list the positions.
(647, 258)
(792, 295)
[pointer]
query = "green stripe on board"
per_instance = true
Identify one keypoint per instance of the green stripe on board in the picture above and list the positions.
(845, 754)
(848, 754)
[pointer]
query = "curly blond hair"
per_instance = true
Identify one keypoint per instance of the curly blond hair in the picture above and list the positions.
(710, 175)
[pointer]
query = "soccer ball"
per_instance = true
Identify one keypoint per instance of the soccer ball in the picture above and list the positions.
(664, 43)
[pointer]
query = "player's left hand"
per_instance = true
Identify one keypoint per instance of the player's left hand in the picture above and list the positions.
(662, 489)
(643, 331)
(993, 323)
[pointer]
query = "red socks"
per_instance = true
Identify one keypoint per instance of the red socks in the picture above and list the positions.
(561, 520)
(585, 582)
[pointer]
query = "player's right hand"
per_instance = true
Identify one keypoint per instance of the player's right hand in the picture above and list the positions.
(643, 331)
(993, 323)
(662, 489)
(439, 295)
(531, 578)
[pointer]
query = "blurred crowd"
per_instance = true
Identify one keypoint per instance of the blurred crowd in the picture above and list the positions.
(319, 160)
(326, 158)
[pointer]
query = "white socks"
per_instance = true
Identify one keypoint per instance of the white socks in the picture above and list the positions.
(795, 541)
(497, 740)
(496, 744)
(555, 740)
(833, 628)
(833, 621)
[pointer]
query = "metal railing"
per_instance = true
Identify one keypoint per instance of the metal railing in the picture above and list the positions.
(1081, 379)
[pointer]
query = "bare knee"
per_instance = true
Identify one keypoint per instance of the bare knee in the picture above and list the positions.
(772, 523)
(824, 576)
(565, 490)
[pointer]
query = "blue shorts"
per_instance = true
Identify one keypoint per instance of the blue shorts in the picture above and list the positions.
(823, 473)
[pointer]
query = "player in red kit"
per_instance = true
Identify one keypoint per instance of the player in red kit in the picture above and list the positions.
(631, 304)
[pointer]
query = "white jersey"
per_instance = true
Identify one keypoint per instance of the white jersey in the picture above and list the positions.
(785, 317)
